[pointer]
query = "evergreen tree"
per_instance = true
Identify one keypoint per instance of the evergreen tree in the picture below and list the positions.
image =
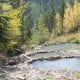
(41, 33)
(25, 34)
(50, 16)
(4, 37)
(62, 13)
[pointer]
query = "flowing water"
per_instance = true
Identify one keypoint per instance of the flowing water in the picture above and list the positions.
(45, 55)
(70, 64)
(62, 47)
(55, 48)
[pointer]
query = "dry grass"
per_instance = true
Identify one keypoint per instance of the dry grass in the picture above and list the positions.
(65, 38)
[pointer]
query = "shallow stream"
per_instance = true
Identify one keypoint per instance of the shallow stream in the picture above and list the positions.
(71, 63)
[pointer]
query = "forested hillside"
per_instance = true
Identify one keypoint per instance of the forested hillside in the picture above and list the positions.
(34, 22)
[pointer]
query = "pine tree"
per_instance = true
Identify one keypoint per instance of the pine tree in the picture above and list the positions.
(41, 33)
(50, 17)
(4, 37)
(62, 13)
(24, 30)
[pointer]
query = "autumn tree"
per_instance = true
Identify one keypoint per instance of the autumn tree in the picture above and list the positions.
(68, 18)
(12, 25)
(58, 25)
(72, 17)
(76, 13)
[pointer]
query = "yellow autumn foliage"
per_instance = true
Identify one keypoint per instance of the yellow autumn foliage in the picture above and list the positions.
(14, 22)
(72, 17)
(58, 27)
(5, 6)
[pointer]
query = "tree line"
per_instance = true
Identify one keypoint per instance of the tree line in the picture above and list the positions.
(18, 26)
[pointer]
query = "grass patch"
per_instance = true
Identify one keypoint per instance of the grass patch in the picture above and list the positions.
(75, 38)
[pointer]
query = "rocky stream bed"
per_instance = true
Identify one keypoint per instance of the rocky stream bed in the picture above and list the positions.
(20, 67)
